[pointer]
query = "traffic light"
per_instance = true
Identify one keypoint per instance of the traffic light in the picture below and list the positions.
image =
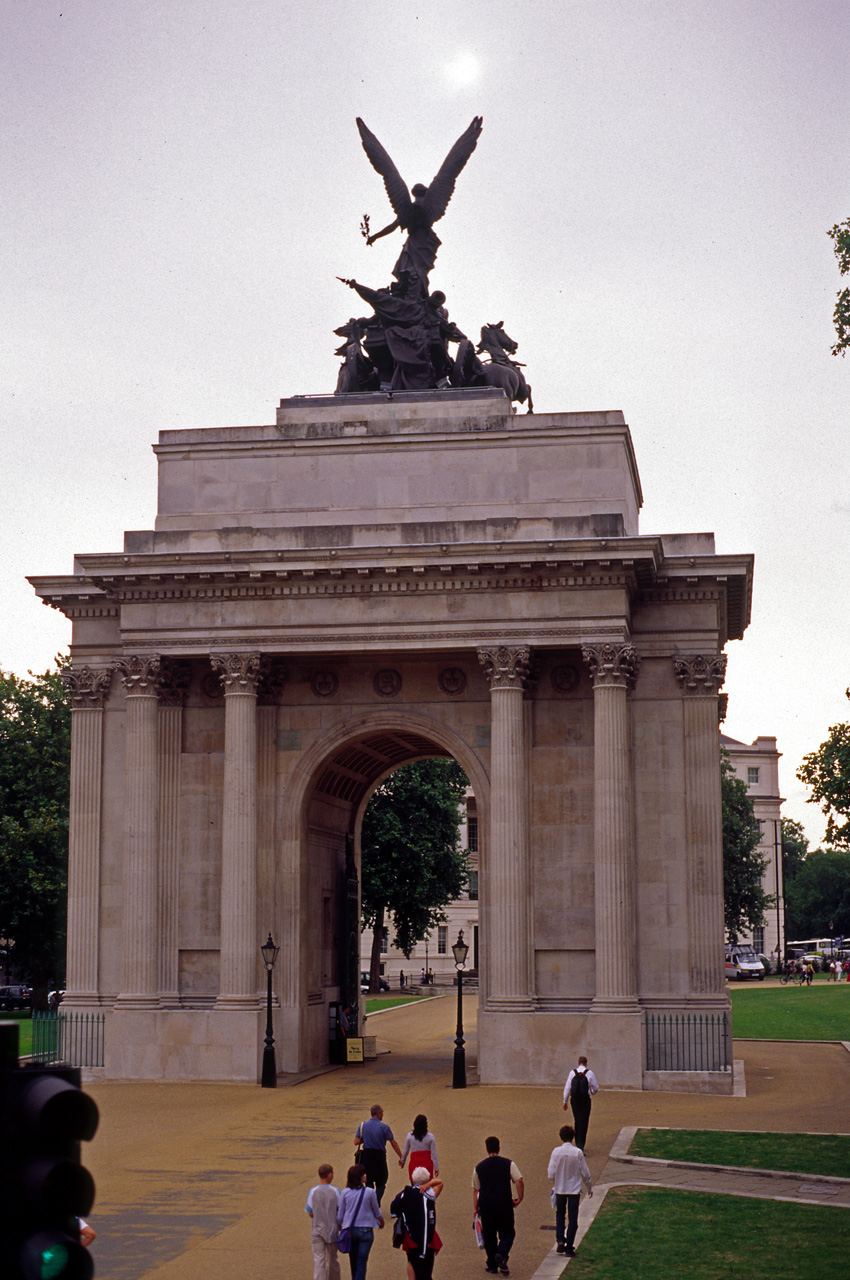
(45, 1116)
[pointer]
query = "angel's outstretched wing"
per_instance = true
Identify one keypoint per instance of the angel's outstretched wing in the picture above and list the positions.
(393, 181)
(440, 190)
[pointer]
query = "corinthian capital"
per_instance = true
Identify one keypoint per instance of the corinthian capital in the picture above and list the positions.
(238, 672)
(87, 687)
(616, 665)
(701, 675)
(506, 667)
(139, 674)
(173, 684)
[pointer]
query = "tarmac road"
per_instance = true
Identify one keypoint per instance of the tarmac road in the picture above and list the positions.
(208, 1182)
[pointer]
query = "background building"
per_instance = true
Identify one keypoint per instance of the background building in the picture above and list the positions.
(757, 765)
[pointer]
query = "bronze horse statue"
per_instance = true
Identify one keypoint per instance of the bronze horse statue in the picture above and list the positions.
(499, 371)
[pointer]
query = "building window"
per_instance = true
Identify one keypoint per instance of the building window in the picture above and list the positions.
(442, 939)
(472, 832)
(473, 886)
(752, 776)
(758, 939)
(385, 941)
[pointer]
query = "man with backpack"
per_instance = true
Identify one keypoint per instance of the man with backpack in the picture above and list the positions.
(579, 1089)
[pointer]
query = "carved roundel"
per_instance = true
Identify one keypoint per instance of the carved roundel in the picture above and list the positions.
(387, 683)
(211, 686)
(564, 679)
(324, 683)
(452, 680)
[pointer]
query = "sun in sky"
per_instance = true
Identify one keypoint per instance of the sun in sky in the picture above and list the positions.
(463, 69)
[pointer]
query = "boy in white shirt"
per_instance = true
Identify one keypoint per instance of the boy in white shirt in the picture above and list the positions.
(322, 1208)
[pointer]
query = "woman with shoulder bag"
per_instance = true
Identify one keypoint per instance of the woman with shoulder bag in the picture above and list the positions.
(358, 1215)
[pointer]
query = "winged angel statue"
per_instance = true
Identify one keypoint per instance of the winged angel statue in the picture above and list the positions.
(417, 216)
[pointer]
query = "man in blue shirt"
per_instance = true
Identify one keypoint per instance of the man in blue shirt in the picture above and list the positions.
(374, 1136)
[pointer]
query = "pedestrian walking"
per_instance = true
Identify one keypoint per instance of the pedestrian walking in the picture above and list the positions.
(580, 1087)
(401, 979)
(421, 1147)
(322, 1206)
(358, 1214)
(415, 1208)
(372, 1136)
(497, 1190)
(567, 1171)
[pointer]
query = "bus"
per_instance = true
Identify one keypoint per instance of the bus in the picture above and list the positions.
(814, 950)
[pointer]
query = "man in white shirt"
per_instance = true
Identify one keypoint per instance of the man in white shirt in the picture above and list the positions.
(567, 1170)
(579, 1089)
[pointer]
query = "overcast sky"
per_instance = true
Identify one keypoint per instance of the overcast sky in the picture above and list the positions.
(646, 210)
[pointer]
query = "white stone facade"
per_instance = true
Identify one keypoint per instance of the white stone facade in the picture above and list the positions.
(367, 582)
(757, 765)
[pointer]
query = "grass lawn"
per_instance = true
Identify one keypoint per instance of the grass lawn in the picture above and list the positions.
(826, 1153)
(660, 1234)
(374, 1003)
(820, 1012)
(24, 1022)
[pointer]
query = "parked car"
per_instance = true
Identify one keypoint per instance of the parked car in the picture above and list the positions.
(383, 985)
(742, 962)
(16, 997)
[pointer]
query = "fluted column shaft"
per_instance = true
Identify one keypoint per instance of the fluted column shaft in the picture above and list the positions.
(239, 942)
(700, 677)
(509, 945)
(88, 691)
(613, 668)
(172, 687)
(140, 919)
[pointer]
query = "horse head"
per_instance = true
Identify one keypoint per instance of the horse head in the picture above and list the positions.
(493, 336)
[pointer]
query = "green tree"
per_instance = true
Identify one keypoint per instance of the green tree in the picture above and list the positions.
(840, 236)
(744, 899)
(35, 765)
(827, 773)
(411, 863)
(817, 902)
(795, 846)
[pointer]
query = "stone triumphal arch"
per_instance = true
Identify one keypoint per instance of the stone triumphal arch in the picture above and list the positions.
(372, 580)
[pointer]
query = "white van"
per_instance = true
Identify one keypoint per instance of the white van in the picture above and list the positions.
(742, 962)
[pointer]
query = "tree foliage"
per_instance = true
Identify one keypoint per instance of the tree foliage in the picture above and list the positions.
(744, 899)
(411, 864)
(827, 773)
(840, 236)
(35, 765)
(817, 901)
(795, 846)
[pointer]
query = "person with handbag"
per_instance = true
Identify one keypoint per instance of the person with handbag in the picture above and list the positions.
(372, 1137)
(358, 1215)
(416, 1216)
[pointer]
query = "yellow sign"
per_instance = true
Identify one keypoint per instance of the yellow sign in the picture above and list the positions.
(354, 1049)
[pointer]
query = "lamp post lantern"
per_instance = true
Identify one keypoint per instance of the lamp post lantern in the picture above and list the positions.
(268, 1080)
(460, 951)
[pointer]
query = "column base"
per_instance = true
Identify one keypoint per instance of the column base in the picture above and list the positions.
(240, 1003)
(136, 1000)
(189, 1044)
(615, 1004)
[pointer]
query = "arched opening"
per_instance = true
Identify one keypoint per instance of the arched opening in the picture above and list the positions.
(319, 904)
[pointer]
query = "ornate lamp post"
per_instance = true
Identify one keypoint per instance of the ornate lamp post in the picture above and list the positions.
(460, 951)
(269, 952)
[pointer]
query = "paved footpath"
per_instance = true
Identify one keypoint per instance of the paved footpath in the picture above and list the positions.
(208, 1182)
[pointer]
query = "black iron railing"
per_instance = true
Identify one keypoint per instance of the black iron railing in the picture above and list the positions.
(72, 1038)
(687, 1042)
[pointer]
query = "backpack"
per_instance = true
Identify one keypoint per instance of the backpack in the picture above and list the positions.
(579, 1087)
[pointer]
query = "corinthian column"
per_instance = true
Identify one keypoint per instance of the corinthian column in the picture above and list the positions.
(700, 677)
(240, 674)
(613, 668)
(140, 921)
(509, 946)
(88, 690)
(172, 687)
